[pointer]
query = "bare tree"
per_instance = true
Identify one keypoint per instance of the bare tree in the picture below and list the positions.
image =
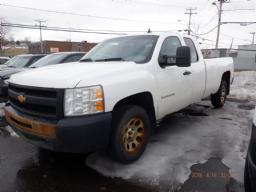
(27, 41)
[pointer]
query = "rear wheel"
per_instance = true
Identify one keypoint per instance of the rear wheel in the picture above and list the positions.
(219, 98)
(131, 133)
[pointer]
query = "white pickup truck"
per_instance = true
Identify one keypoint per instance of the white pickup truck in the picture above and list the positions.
(113, 98)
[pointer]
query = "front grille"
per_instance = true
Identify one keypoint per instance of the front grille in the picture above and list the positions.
(39, 102)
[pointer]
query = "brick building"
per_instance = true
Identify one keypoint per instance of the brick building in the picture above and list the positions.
(60, 46)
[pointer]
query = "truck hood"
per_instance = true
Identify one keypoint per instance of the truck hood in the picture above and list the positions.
(69, 75)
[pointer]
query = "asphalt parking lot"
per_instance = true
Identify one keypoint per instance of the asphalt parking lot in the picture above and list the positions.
(172, 161)
(198, 149)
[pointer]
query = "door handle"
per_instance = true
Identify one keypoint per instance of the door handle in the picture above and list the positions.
(187, 73)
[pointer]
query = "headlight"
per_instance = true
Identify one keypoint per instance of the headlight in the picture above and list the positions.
(83, 101)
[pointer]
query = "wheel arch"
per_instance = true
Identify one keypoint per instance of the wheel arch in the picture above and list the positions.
(144, 100)
(226, 76)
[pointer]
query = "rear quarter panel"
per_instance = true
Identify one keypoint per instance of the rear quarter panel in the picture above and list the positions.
(215, 68)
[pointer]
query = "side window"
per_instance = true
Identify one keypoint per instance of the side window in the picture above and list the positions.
(36, 59)
(33, 60)
(194, 55)
(73, 58)
(170, 46)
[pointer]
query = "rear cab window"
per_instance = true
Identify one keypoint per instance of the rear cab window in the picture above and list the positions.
(194, 55)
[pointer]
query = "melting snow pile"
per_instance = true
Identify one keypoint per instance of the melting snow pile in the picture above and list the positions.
(244, 85)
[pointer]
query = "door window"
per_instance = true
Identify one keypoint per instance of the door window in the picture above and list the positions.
(169, 47)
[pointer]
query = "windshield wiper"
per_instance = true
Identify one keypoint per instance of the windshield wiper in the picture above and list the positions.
(86, 60)
(11, 66)
(110, 59)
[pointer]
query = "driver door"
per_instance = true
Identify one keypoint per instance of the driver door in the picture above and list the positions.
(174, 82)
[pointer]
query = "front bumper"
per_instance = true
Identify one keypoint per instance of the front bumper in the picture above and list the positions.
(73, 135)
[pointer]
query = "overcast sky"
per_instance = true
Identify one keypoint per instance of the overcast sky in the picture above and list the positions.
(136, 14)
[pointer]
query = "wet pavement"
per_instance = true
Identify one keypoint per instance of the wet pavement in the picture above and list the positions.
(25, 168)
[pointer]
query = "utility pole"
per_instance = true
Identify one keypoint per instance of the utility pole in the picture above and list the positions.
(190, 13)
(220, 10)
(253, 37)
(41, 37)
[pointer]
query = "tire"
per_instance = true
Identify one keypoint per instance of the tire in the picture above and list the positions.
(218, 99)
(131, 131)
(247, 182)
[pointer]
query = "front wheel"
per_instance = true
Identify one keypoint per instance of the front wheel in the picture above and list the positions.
(247, 182)
(219, 98)
(131, 133)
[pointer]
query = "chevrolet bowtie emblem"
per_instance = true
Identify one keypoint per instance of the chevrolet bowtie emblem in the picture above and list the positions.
(21, 98)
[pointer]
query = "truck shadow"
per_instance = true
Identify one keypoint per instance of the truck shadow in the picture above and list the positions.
(50, 171)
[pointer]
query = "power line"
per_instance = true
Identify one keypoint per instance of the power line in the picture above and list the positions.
(76, 30)
(59, 29)
(81, 15)
(210, 20)
(209, 31)
(239, 10)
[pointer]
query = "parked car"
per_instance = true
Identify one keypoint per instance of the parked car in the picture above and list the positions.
(55, 58)
(21, 61)
(114, 97)
(3, 60)
(250, 166)
(15, 65)
(59, 58)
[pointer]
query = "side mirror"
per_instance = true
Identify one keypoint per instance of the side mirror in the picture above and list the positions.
(183, 56)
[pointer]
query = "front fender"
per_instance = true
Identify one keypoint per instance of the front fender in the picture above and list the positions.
(123, 86)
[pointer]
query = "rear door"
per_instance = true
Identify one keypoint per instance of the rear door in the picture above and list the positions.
(198, 74)
(173, 81)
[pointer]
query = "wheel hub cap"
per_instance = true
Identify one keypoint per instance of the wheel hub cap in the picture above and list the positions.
(223, 94)
(133, 135)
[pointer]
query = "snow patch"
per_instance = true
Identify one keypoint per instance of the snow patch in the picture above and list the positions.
(183, 141)
(244, 85)
(12, 133)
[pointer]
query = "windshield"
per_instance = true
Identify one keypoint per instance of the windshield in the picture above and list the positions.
(18, 61)
(138, 49)
(49, 60)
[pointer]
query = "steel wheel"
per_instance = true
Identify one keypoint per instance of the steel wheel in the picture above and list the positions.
(218, 99)
(223, 94)
(133, 135)
(131, 132)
